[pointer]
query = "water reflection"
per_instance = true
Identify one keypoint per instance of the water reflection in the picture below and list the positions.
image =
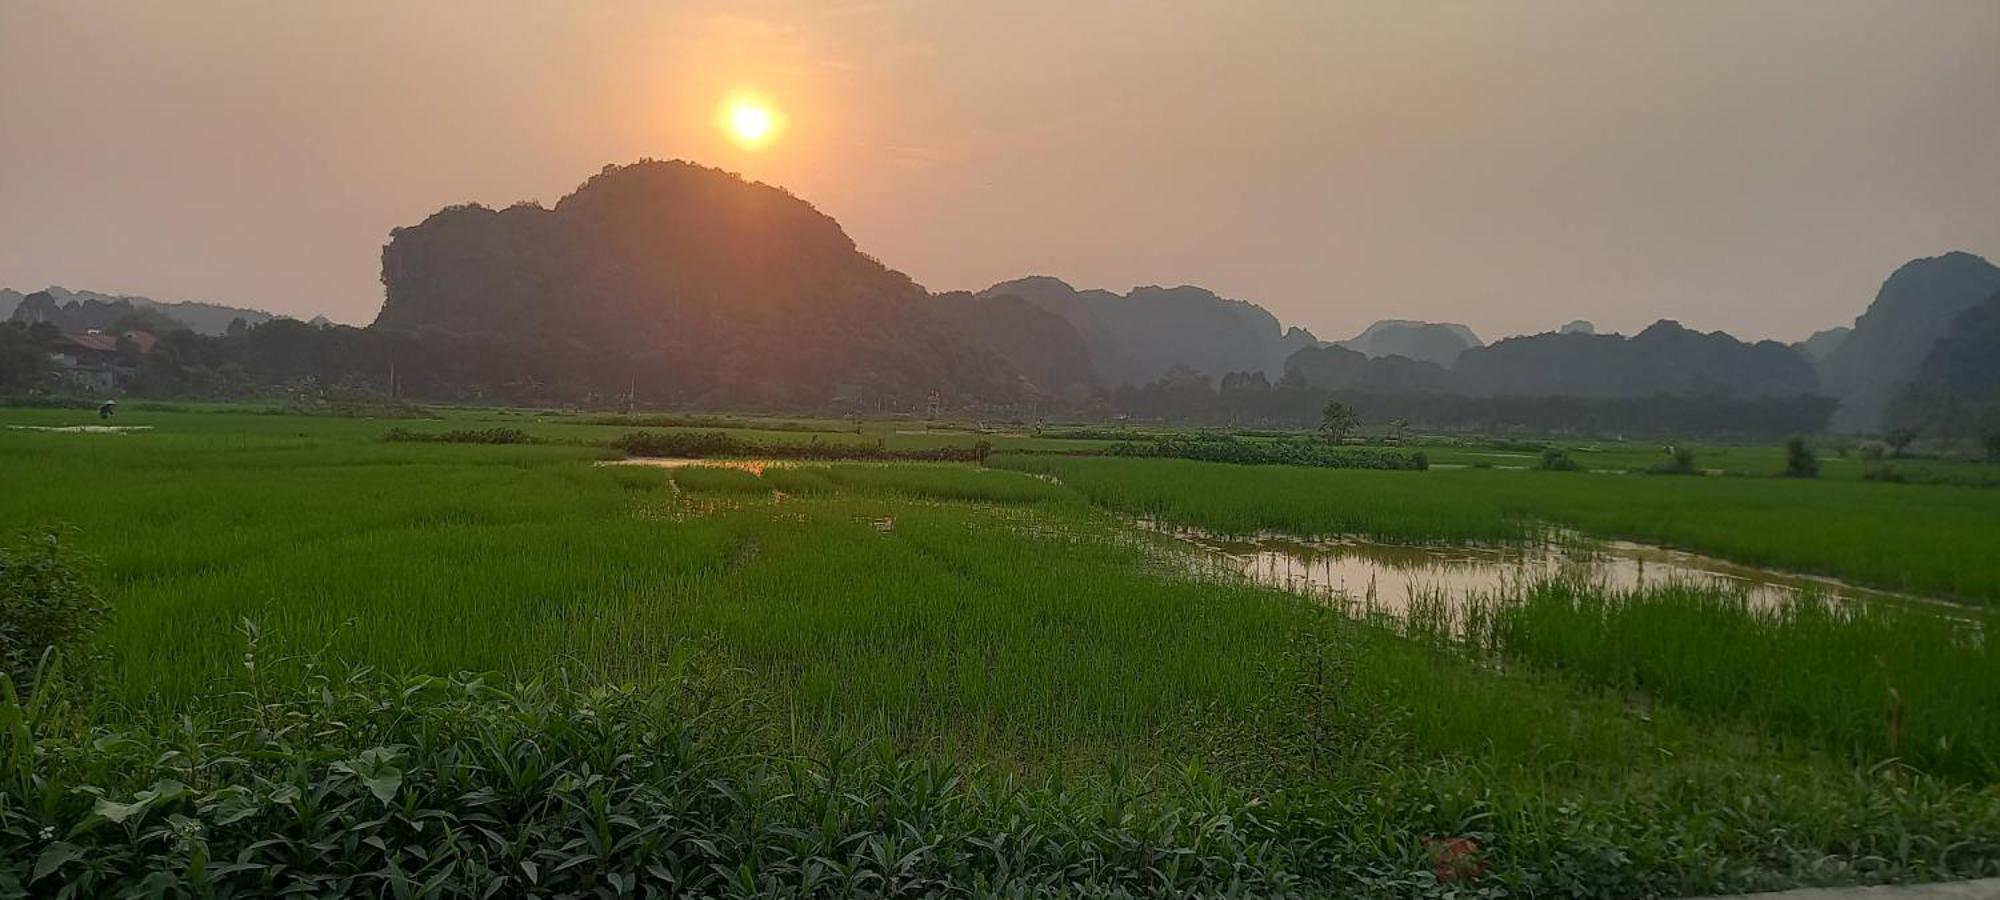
(1383, 576)
(753, 466)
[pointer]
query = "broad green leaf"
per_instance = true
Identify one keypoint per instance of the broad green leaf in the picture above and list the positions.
(55, 857)
(377, 769)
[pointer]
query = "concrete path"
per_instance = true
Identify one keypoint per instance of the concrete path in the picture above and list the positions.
(1983, 889)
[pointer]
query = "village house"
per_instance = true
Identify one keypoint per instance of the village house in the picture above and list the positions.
(96, 361)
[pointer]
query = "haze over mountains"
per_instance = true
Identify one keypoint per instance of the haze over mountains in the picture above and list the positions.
(1136, 337)
(90, 310)
(1433, 342)
(692, 286)
(1915, 308)
(732, 289)
(1955, 392)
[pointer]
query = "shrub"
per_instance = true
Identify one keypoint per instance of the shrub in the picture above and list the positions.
(1799, 460)
(1556, 459)
(1681, 463)
(45, 607)
(708, 444)
(461, 436)
(1883, 472)
(1226, 449)
(1899, 440)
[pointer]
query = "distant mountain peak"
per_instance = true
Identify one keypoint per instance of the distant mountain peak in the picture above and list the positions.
(82, 310)
(1137, 336)
(1915, 307)
(1433, 342)
(1821, 344)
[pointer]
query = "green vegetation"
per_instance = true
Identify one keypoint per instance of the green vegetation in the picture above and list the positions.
(461, 436)
(717, 443)
(1555, 459)
(1680, 461)
(836, 678)
(1210, 447)
(1876, 681)
(1799, 459)
(1336, 420)
(1923, 539)
(46, 609)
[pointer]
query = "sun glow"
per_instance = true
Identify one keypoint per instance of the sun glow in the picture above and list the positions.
(750, 121)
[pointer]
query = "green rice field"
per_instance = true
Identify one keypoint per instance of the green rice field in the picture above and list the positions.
(337, 664)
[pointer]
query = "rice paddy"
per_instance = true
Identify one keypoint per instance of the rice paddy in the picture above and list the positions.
(940, 652)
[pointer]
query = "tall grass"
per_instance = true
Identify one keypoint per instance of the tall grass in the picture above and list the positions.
(1871, 681)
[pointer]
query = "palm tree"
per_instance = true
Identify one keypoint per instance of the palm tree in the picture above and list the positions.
(1336, 420)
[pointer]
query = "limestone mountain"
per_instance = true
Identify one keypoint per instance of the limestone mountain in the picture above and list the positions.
(1666, 358)
(89, 314)
(1914, 309)
(1039, 345)
(83, 310)
(693, 283)
(1954, 394)
(1334, 367)
(1823, 342)
(1136, 337)
(1433, 342)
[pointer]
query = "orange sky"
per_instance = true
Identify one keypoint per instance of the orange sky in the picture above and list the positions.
(1758, 167)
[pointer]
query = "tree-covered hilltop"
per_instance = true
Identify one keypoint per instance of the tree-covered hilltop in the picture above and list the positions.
(1136, 337)
(1666, 358)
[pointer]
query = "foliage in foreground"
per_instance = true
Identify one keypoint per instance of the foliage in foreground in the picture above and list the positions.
(462, 787)
(46, 606)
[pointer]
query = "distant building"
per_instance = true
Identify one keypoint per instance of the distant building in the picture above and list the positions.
(95, 361)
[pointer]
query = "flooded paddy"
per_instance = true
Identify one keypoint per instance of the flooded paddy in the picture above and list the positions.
(753, 466)
(1384, 576)
(82, 429)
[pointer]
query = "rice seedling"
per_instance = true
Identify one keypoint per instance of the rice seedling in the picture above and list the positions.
(1874, 681)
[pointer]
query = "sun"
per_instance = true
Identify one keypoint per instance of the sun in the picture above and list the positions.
(751, 121)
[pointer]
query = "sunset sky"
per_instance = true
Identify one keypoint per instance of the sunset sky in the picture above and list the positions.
(1756, 167)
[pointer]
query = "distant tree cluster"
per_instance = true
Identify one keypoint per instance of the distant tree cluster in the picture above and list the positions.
(1249, 399)
(318, 364)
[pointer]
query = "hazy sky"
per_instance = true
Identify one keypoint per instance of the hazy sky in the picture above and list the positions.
(1753, 166)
